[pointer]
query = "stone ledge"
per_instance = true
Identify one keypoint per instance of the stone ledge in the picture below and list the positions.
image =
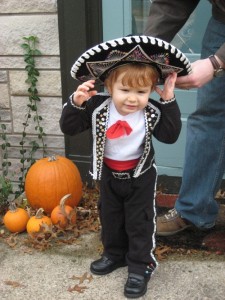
(42, 63)
(24, 6)
(14, 28)
(166, 200)
(49, 83)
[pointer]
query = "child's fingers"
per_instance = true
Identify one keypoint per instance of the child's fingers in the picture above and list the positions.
(92, 93)
(83, 88)
(171, 78)
(172, 75)
(89, 84)
(86, 86)
(84, 92)
(158, 91)
(80, 94)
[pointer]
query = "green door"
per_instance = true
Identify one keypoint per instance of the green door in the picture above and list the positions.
(124, 17)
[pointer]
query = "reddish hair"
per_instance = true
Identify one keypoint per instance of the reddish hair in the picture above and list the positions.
(135, 75)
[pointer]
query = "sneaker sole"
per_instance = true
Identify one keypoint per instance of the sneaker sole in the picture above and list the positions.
(132, 296)
(168, 233)
(117, 266)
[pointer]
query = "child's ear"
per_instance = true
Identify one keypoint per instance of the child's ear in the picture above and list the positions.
(109, 90)
(153, 88)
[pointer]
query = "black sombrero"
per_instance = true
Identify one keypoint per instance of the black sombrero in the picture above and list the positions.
(96, 62)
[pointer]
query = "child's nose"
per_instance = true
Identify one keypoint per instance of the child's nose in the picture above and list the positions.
(131, 97)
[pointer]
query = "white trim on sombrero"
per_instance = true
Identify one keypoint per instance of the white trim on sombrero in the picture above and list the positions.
(98, 68)
(101, 58)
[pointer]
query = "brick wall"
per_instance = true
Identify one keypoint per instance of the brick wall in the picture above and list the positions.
(19, 19)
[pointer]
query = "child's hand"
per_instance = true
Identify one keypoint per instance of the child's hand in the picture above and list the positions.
(168, 91)
(84, 92)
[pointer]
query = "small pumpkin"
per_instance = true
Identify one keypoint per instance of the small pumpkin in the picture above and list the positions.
(38, 221)
(63, 215)
(49, 179)
(16, 218)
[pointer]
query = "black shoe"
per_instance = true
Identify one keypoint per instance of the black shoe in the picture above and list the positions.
(104, 266)
(136, 285)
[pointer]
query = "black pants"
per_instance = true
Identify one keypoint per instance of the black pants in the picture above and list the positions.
(127, 214)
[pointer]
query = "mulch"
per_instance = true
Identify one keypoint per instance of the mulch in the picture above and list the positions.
(189, 242)
(193, 239)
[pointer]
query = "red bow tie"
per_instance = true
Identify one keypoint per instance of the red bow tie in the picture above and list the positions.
(118, 129)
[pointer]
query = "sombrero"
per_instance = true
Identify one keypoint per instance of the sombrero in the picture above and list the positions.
(99, 60)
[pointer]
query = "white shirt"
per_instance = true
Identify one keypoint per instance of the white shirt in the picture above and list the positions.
(127, 147)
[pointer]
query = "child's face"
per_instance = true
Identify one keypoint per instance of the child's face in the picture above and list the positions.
(129, 99)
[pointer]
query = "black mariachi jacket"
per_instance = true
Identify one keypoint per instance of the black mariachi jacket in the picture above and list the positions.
(162, 120)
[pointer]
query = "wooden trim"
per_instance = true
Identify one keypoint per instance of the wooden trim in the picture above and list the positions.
(80, 27)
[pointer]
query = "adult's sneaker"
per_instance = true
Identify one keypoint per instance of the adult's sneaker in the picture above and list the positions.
(171, 223)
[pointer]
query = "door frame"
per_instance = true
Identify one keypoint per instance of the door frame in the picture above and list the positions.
(80, 27)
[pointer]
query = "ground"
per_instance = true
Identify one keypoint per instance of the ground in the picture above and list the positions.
(189, 242)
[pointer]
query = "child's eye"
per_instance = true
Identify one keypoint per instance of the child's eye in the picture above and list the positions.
(142, 92)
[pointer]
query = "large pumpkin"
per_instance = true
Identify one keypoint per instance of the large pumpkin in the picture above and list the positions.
(49, 179)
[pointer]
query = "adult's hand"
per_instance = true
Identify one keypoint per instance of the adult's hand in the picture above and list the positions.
(202, 72)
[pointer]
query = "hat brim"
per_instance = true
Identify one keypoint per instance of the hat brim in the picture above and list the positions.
(99, 60)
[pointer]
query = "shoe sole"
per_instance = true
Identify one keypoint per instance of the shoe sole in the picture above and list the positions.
(168, 233)
(117, 266)
(132, 296)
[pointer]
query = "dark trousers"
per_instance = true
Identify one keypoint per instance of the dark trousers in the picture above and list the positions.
(127, 214)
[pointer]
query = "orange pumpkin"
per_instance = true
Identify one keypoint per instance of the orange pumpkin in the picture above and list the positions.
(62, 214)
(49, 179)
(15, 219)
(38, 221)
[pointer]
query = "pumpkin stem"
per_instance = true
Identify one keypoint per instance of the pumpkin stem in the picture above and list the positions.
(52, 158)
(62, 203)
(63, 200)
(12, 206)
(39, 213)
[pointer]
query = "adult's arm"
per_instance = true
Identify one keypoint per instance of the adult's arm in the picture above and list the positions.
(202, 72)
(220, 53)
(166, 17)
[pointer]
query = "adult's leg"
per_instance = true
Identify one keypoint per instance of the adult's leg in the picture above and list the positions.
(205, 144)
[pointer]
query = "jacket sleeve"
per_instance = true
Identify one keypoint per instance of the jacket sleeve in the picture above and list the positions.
(75, 119)
(169, 126)
(221, 53)
(166, 17)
